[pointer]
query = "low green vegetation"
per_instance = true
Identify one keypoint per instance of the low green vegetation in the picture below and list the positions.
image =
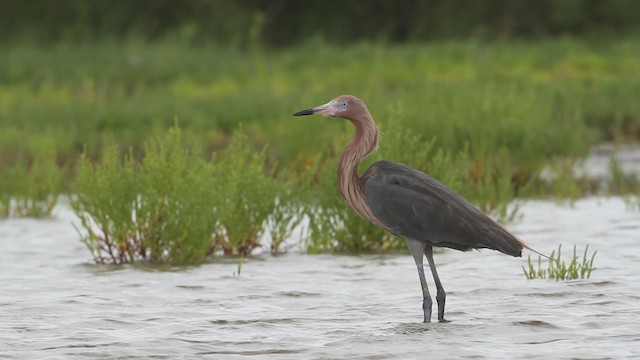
(176, 207)
(536, 100)
(485, 118)
(154, 210)
(32, 180)
(247, 197)
(558, 269)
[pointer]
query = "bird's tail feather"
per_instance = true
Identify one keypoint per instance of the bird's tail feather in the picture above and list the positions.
(525, 246)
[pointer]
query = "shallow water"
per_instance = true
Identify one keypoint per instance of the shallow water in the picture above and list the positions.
(55, 304)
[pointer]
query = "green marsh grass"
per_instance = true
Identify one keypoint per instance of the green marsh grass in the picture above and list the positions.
(561, 182)
(247, 197)
(536, 100)
(175, 206)
(619, 182)
(31, 184)
(484, 118)
(558, 269)
(158, 210)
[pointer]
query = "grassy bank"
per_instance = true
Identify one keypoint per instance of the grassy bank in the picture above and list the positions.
(484, 118)
(526, 97)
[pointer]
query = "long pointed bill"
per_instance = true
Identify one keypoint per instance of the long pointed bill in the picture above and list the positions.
(304, 112)
(327, 109)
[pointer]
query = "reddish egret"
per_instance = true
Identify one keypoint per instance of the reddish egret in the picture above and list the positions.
(409, 203)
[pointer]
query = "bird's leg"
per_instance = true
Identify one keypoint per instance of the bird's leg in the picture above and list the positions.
(417, 249)
(426, 297)
(440, 295)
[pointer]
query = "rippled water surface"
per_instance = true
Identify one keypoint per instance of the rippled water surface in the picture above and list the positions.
(55, 304)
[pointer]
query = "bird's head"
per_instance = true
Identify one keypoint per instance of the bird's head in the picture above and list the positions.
(343, 106)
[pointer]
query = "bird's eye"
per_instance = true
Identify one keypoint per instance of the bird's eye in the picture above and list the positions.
(342, 105)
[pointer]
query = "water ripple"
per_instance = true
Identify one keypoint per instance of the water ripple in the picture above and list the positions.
(324, 307)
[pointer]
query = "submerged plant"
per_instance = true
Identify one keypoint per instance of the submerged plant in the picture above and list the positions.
(557, 268)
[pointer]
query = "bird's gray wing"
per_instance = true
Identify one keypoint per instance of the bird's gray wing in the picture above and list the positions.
(414, 205)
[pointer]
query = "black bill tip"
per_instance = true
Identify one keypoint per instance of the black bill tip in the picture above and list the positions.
(304, 112)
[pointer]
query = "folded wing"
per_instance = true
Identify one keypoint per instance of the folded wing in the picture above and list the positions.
(414, 205)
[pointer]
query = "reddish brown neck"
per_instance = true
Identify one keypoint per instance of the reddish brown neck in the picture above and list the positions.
(362, 145)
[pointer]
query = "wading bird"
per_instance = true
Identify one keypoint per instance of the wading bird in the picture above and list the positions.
(408, 203)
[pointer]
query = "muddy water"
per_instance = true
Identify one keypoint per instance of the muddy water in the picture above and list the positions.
(55, 304)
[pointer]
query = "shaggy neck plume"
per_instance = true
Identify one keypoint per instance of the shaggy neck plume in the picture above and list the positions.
(362, 145)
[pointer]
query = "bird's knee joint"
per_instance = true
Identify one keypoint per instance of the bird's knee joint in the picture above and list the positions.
(441, 296)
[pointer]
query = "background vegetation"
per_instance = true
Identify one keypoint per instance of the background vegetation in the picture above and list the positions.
(88, 91)
(290, 22)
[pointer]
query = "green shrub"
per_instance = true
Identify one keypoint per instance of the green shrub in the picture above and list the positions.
(484, 118)
(176, 207)
(247, 197)
(159, 210)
